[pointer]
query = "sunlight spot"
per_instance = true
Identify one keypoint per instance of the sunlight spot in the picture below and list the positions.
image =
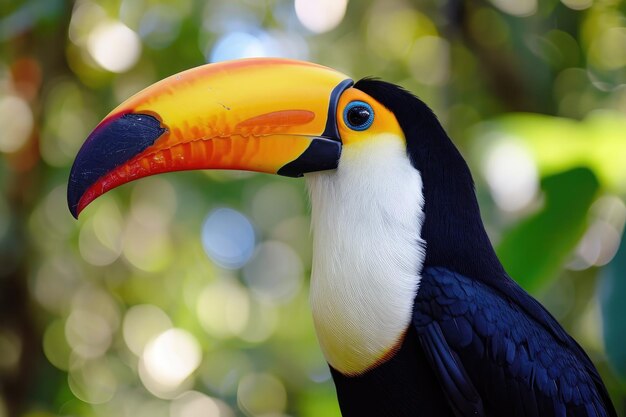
(100, 238)
(223, 308)
(257, 43)
(600, 244)
(17, 123)
(228, 238)
(92, 323)
(511, 174)
(236, 45)
(56, 281)
(141, 324)
(114, 46)
(171, 358)
(93, 382)
(320, 15)
(148, 247)
(88, 333)
(602, 239)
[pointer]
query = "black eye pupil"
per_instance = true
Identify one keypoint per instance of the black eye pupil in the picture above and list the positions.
(358, 116)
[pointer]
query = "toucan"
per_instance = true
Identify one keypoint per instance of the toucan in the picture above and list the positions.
(414, 313)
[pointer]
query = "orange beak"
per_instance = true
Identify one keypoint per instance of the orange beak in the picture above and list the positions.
(265, 115)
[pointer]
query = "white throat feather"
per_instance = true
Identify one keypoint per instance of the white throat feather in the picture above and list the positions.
(367, 252)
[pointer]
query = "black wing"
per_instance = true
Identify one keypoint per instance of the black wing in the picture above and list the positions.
(494, 359)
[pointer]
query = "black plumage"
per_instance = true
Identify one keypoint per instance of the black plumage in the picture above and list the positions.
(479, 344)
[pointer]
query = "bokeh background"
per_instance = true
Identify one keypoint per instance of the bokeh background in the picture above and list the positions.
(185, 295)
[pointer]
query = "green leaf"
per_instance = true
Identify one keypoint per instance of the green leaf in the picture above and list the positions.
(535, 249)
(612, 289)
(557, 143)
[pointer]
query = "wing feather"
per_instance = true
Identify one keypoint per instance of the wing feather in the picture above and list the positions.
(460, 391)
(493, 358)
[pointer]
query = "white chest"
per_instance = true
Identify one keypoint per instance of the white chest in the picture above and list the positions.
(367, 253)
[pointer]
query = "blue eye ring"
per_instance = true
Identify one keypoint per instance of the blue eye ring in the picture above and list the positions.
(358, 115)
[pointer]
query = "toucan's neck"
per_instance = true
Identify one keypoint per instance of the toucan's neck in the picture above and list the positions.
(367, 253)
(453, 228)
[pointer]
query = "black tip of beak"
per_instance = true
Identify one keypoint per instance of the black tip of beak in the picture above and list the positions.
(114, 142)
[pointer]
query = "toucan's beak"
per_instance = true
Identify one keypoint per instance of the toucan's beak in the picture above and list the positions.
(265, 115)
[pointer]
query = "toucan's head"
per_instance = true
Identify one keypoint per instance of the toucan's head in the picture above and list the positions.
(276, 116)
(282, 117)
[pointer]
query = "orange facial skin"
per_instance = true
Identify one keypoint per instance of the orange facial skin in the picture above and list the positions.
(385, 121)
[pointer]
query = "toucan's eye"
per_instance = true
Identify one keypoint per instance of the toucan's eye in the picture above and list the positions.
(358, 115)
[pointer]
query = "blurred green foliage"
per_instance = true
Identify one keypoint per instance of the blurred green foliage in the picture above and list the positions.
(560, 223)
(614, 309)
(139, 309)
